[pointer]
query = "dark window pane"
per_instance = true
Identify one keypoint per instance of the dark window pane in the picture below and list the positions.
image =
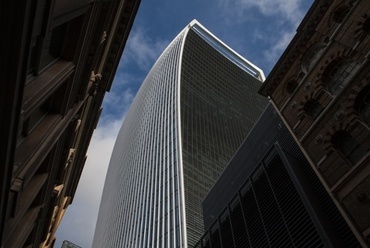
(291, 86)
(365, 108)
(351, 150)
(362, 105)
(366, 26)
(341, 13)
(313, 108)
(365, 114)
(338, 74)
(312, 55)
(53, 45)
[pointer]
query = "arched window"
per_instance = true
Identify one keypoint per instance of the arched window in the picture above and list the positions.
(362, 105)
(291, 86)
(350, 149)
(338, 74)
(313, 108)
(362, 30)
(340, 13)
(312, 55)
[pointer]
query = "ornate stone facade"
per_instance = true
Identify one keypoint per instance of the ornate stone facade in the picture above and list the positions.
(58, 58)
(321, 88)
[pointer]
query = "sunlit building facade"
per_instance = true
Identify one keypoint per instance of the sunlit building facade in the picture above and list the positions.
(190, 115)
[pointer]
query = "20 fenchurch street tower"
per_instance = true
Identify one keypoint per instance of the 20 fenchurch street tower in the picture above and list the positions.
(192, 112)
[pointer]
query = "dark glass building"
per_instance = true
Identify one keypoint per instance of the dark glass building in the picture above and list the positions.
(268, 196)
(191, 113)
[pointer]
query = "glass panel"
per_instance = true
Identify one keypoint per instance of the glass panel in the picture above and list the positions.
(365, 109)
(53, 45)
(365, 114)
(349, 147)
(362, 105)
(291, 86)
(312, 55)
(313, 108)
(338, 75)
(366, 26)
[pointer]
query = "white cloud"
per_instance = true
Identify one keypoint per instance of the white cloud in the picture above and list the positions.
(142, 49)
(82, 213)
(286, 10)
(116, 104)
(273, 53)
(275, 35)
(113, 98)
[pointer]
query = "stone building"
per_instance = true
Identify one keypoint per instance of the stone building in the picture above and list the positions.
(58, 58)
(321, 88)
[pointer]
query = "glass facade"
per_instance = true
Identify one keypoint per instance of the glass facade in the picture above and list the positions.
(269, 196)
(193, 110)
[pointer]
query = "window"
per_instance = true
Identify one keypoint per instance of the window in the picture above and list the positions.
(312, 55)
(340, 13)
(338, 74)
(58, 43)
(350, 149)
(366, 26)
(313, 108)
(362, 29)
(36, 117)
(362, 105)
(53, 105)
(53, 45)
(291, 86)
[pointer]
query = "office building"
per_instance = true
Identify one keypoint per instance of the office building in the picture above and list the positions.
(191, 113)
(320, 86)
(58, 58)
(269, 196)
(68, 244)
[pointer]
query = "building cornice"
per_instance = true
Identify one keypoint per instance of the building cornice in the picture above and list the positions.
(296, 46)
(226, 51)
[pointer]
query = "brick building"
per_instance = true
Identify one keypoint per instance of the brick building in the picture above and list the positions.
(321, 88)
(58, 58)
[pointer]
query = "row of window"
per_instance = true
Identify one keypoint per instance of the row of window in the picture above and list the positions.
(149, 201)
(313, 108)
(336, 75)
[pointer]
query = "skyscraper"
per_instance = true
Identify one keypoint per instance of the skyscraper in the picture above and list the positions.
(190, 115)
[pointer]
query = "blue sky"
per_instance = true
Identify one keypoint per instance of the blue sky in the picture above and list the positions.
(258, 30)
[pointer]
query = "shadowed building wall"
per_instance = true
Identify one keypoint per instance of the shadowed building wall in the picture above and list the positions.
(57, 60)
(320, 86)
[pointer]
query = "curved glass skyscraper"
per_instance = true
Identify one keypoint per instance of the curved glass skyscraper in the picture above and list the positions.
(193, 110)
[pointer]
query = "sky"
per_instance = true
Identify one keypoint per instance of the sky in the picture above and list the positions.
(259, 30)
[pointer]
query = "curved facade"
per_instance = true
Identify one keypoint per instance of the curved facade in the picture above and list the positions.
(191, 113)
